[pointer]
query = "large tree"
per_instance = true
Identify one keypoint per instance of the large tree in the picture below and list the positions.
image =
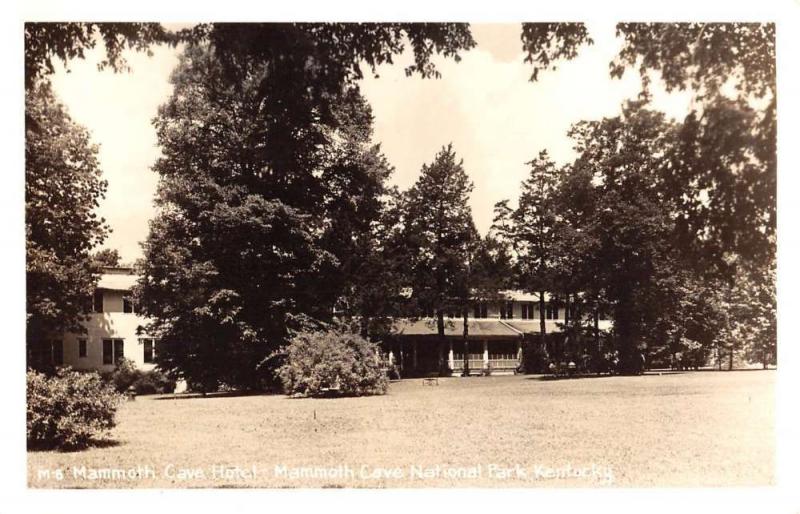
(62, 189)
(49, 41)
(723, 178)
(440, 236)
(270, 189)
(532, 229)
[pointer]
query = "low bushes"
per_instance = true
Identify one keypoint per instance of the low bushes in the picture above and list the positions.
(332, 362)
(126, 375)
(69, 409)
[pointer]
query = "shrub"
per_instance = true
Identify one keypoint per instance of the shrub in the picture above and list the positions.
(69, 409)
(153, 382)
(124, 375)
(332, 361)
(127, 375)
(534, 357)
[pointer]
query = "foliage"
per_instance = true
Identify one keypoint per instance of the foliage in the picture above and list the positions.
(332, 360)
(439, 232)
(257, 226)
(65, 41)
(545, 43)
(723, 180)
(440, 240)
(107, 257)
(69, 409)
(126, 376)
(534, 356)
(62, 188)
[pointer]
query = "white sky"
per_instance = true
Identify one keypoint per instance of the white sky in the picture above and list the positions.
(485, 105)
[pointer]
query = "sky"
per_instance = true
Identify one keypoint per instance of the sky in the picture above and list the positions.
(496, 118)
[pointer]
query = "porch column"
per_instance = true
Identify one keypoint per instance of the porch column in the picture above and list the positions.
(485, 354)
(451, 362)
(402, 358)
(391, 358)
(415, 354)
(519, 350)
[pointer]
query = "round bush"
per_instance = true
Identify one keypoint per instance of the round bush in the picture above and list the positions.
(332, 362)
(69, 409)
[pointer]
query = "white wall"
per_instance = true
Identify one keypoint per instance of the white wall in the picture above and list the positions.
(110, 324)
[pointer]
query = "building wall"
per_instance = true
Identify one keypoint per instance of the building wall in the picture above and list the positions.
(112, 323)
(493, 311)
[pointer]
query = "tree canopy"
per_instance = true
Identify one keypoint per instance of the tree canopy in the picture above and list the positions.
(62, 188)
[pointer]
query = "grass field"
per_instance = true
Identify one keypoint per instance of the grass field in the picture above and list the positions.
(693, 429)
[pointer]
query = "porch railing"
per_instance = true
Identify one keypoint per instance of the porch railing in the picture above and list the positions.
(493, 363)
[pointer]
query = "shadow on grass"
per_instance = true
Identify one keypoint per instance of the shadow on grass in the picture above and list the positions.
(94, 443)
(552, 378)
(226, 394)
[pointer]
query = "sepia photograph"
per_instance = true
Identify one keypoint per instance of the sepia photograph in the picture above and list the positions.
(400, 254)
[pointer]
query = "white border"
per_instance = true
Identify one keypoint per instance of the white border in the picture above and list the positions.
(15, 496)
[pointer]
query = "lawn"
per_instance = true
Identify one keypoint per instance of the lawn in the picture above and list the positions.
(692, 429)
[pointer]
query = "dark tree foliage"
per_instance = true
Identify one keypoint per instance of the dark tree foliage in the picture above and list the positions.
(701, 56)
(439, 229)
(724, 170)
(272, 199)
(532, 229)
(45, 41)
(107, 257)
(546, 43)
(633, 223)
(440, 238)
(62, 189)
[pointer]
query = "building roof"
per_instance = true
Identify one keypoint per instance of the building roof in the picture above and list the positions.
(522, 296)
(477, 328)
(116, 282)
(532, 326)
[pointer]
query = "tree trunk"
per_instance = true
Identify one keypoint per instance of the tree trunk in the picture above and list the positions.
(440, 327)
(365, 327)
(730, 360)
(466, 343)
(625, 340)
(597, 331)
(542, 325)
(569, 340)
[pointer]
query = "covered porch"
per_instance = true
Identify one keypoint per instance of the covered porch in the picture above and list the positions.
(491, 347)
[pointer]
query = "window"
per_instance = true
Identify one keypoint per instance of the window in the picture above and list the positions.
(81, 348)
(97, 301)
(113, 350)
(480, 310)
(58, 353)
(148, 350)
(507, 310)
(108, 351)
(571, 313)
(127, 305)
(528, 309)
(552, 310)
(119, 350)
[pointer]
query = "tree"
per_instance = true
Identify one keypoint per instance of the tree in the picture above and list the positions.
(718, 179)
(107, 257)
(256, 222)
(724, 171)
(62, 188)
(633, 219)
(66, 41)
(359, 220)
(440, 234)
(533, 231)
